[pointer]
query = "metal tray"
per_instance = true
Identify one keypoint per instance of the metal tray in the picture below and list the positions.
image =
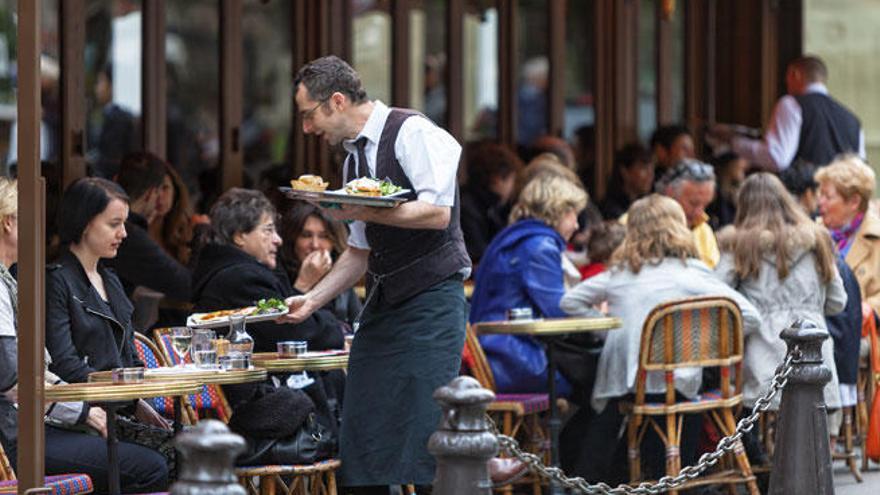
(223, 321)
(331, 199)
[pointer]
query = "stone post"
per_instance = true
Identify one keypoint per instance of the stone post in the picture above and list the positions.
(802, 458)
(206, 460)
(464, 442)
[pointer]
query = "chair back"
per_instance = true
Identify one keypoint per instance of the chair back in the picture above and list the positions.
(211, 398)
(480, 369)
(692, 332)
(6, 471)
(152, 358)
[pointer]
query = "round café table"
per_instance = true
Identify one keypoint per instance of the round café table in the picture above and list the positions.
(550, 327)
(273, 363)
(111, 396)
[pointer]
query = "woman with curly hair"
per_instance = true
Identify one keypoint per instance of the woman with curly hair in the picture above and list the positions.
(172, 227)
(658, 261)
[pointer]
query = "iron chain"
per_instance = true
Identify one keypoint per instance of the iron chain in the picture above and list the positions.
(726, 444)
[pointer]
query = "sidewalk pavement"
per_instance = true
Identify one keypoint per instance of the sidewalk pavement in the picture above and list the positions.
(845, 483)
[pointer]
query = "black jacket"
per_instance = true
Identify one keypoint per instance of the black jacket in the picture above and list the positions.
(226, 277)
(846, 327)
(482, 217)
(81, 336)
(141, 261)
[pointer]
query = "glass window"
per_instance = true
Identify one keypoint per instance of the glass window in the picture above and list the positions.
(480, 71)
(268, 95)
(647, 69)
(192, 88)
(844, 35)
(371, 47)
(428, 59)
(112, 83)
(534, 71)
(580, 116)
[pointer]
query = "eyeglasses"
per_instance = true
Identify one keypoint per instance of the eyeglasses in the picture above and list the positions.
(307, 115)
(268, 229)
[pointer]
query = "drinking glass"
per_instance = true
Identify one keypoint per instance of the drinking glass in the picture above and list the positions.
(181, 340)
(204, 355)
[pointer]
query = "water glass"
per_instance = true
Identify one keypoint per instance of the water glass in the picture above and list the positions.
(181, 340)
(203, 352)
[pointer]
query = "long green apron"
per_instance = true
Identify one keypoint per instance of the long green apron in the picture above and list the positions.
(399, 356)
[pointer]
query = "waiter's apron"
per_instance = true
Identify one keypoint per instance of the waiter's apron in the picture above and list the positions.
(399, 356)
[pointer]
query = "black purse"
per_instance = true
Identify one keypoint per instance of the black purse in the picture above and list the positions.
(312, 442)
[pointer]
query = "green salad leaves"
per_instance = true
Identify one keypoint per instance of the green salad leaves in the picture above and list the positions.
(271, 305)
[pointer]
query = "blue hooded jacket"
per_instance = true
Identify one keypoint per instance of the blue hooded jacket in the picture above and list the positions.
(522, 267)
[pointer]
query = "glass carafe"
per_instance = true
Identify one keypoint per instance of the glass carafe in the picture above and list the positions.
(240, 342)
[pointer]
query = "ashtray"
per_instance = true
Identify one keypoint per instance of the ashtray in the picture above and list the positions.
(292, 348)
(127, 375)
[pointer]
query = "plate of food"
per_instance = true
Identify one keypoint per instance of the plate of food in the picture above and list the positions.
(364, 191)
(263, 310)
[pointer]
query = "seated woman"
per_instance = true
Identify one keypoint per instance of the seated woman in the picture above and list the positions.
(522, 267)
(314, 241)
(235, 268)
(657, 261)
(67, 451)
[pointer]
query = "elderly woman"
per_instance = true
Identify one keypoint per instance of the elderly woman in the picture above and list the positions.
(522, 268)
(236, 267)
(314, 241)
(657, 261)
(67, 451)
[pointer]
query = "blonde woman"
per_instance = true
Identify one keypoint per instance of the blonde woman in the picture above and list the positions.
(845, 188)
(657, 261)
(522, 267)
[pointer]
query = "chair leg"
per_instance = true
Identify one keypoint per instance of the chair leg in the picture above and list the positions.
(507, 429)
(673, 442)
(848, 443)
(740, 453)
(267, 485)
(632, 448)
(331, 483)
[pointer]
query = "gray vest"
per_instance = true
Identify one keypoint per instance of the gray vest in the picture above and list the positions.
(403, 261)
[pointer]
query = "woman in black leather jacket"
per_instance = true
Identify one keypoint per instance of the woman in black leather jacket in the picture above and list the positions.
(88, 316)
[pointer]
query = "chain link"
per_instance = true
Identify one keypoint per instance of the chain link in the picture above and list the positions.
(726, 444)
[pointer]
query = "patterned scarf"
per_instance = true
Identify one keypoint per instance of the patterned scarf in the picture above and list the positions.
(844, 235)
(11, 285)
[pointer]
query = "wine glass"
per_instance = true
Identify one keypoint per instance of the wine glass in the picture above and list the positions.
(181, 339)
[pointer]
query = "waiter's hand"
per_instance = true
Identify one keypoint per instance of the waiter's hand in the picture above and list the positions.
(299, 308)
(352, 212)
(721, 132)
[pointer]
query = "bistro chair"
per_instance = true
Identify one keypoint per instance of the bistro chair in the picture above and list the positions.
(517, 415)
(62, 484)
(210, 402)
(150, 355)
(699, 332)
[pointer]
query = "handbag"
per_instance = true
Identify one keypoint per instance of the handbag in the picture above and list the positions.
(312, 442)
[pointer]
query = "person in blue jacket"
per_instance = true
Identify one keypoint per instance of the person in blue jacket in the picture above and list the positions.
(522, 267)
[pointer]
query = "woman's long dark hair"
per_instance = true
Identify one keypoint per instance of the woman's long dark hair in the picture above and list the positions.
(292, 223)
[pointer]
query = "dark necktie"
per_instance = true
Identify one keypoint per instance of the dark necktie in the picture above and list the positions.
(362, 170)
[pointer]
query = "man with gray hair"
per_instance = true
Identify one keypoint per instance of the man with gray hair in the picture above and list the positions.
(412, 327)
(692, 183)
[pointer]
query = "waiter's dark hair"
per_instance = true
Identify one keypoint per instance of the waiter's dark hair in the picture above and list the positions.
(82, 201)
(326, 75)
(812, 67)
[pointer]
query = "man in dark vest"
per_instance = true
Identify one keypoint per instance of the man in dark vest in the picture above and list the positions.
(412, 329)
(806, 124)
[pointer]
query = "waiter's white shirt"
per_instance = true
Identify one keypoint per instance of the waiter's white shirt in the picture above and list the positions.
(780, 144)
(427, 153)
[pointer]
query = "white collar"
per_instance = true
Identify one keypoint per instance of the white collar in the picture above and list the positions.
(816, 87)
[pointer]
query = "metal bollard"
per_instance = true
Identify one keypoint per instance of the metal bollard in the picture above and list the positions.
(207, 457)
(802, 459)
(464, 442)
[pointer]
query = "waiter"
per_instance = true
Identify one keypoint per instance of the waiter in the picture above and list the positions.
(412, 329)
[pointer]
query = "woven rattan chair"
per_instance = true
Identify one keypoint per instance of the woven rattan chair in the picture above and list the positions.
(517, 415)
(62, 484)
(700, 332)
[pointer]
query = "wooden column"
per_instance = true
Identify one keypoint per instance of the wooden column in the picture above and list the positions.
(73, 91)
(699, 67)
(625, 56)
(507, 71)
(400, 54)
(154, 104)
(31, 262)
(231, 156)
(455, 69)
(603, 92)
(663, 53)
(556, 44)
